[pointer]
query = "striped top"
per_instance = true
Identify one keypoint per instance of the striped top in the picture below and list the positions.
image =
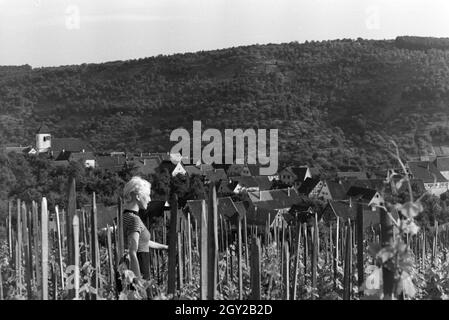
(133, 223)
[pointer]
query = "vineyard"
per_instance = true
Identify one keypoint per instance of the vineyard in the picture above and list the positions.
(54, 254)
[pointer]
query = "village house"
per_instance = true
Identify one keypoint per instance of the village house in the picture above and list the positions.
(45, 143)
(87, 159)
(433, 180)
(338, 209)
(302, 212)
(359, 175)
(20, 149)
(440, 151)
(215, 175)
(68, 144)
(375, 184)
(345, 211)
(249, 170)
(287, 195)
(209, 173)
(251, 183)
(110, 163)
(237, 169)
(270, 207)
(266, 214)
(294, 176)
(179, 169)
(330, 190)
(442, 164)
(173, 169)
(226, 209)
(226, 187)
(311, 187)
(193, 170)
(368, 197)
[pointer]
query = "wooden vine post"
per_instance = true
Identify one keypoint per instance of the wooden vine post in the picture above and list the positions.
(44, 237)
(348, 263)
(359, 234)
(306, 249)
(63, 233)
(37, 247)
(227, 253)
(315, 245)
(30, 243)
(189, 247)
(387, 240)
(10, 244)
(203, 253)
(180, 263)
(286, 271)
(94, 247)
(54, 272)
(58, 231)
(282, 242)
(255, 268)
(26, 251)
(1, 284)
(222, 246)
(240, 254)
(212, 244)
(424, 248)
(296, 274)
(245, 238)
(19, 248)
(337, 240)
(435, 243)
(86, 234)
(231, 251)
(110, 256)
(76, 237)
(172, 245)
(267, 231)
(71, 210)
(83, 236)
(120, 245)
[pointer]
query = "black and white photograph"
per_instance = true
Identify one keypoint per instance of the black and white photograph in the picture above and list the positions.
(225, 155)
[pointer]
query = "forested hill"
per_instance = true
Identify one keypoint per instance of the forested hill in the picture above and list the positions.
(335, 103)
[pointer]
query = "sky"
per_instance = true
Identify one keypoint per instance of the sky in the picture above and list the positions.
(63, 32)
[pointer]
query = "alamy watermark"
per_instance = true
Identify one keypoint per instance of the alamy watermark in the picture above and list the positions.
(213, 151)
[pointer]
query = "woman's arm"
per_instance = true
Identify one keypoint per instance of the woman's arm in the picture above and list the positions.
(157, 245)
(133, 240)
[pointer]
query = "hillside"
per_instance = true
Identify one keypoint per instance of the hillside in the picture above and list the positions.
(336, 103)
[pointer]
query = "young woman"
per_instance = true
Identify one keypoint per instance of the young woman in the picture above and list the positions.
(136, 195)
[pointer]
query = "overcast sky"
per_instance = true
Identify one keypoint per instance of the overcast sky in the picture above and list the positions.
(60, 32)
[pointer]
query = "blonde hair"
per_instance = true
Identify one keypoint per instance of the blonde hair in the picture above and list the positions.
(136, 185)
